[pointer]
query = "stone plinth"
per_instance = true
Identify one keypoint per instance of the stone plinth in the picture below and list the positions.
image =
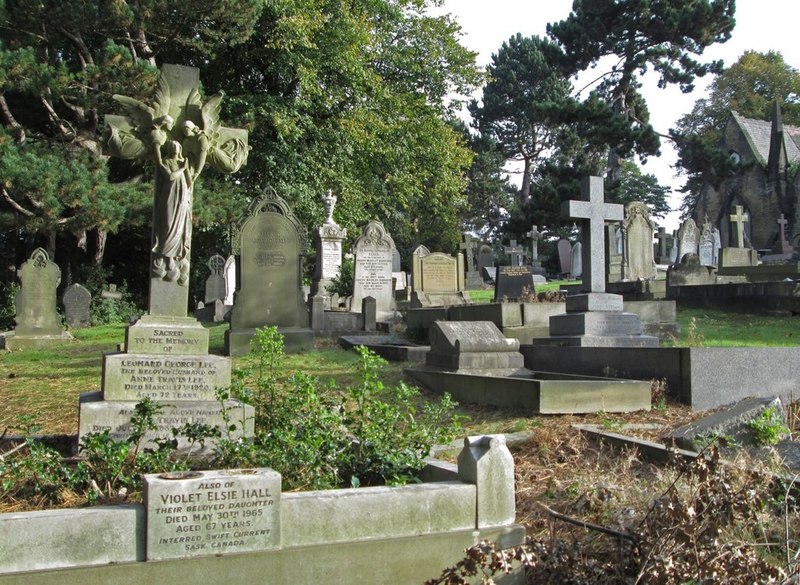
(738, 257)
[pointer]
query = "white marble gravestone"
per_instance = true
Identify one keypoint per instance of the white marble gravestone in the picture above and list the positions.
(373, 252)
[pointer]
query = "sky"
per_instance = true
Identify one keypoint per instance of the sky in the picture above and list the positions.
(761, 25)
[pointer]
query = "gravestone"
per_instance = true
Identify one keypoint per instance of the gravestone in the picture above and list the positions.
(717, 238)
(438, 273)
(202, 513)
(782, 246)
(416, 268)
(472, 346)
(535, 263)
(688, 239)
(230, 280)
(472, 276)
(373, 251)
(637, 228)
(564, 255)
(738, 254)
(397, 265)
(576, 261)
(705, 251)
(38, 323)
(662, 257)
(485, 259)
(613, 253)
(77, 306)
(165, 355)
(515, 253)
(595, 318)
(328, 241)
(513, 283)
(215, 283)
(673, 250)
(267, 242)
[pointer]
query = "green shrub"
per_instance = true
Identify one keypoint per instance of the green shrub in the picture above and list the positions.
(321, 437)
(768, 427)
(8, 292)
(343, 284)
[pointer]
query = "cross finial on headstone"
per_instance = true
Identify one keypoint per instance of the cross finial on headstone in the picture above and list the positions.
(534, 236)
(515, 253)
(782, 222)
(594, 212)
(739, 219)
(469, 245)
(662, 242)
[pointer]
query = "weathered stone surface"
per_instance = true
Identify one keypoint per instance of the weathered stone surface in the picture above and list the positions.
(731, 257)
(688, 239)
(97, 415)
(199, 513)
(473, 346)
(485, 257)
(36, 313)
(128, 376)
(594, 302)
(689, 272)
(215, 283)
(77, 306)
(731, 423)
(438, 273)
(164, 335)
(373, 252)
(34, 541)
(230, 280)
(332, 516)
(638, 229)
(267, 243)
(487, 462)
(596, 323)
(576, 261)
(564, 250)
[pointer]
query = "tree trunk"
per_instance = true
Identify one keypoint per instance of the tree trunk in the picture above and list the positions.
(525, 189)
(101, 236)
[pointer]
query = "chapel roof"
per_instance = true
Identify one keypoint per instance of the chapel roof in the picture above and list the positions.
(758, 132)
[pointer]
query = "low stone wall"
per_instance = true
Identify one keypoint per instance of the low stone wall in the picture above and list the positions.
(108, 544)
(748, 297)
(702, 377)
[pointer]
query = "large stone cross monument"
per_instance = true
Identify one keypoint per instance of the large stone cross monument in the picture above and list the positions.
(595, 317)
(592, 209)
(166, 352)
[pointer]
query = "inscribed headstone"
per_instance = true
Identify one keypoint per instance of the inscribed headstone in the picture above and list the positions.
(416, 266)
(440, 273)
(35, 302)
(267, 243)
(328, 241)
(513, 283)
(215, 283)
(198, 513)
(638, 231)
(705, 250)
(688, 238)
(373, 252)
(77, 304)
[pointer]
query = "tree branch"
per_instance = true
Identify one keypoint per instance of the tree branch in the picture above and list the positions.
(15, 205)
(77, 40)
(589, 525)
(10, 121)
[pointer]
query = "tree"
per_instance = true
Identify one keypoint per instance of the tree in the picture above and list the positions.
(637, 186)
(490, 196)
(750, 86)
(664, 35)
(350, 95)
(60, 62)
(521, 104)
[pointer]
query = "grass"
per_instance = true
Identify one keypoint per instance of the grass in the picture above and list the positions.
(487, 295)
(721, 329)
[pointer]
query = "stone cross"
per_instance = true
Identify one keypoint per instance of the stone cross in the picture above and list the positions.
(783, 245)
(594, 212)
(661, 236)
(469, 245)
(739, 218)
(181, 134)
(534, 236)
(515, 253)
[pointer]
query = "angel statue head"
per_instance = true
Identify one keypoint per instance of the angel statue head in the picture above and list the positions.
(189, 128)
(173, 150)
(166, 122)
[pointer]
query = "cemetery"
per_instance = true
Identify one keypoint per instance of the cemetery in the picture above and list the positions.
(305, 360)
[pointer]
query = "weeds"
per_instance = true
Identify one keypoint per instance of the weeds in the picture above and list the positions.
(768, 427)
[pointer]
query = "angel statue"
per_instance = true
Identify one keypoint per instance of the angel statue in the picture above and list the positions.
(180, 134)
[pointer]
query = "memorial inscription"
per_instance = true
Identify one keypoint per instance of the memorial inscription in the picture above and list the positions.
(210, 512)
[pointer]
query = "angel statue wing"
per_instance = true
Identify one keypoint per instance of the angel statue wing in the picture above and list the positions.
(129, 135)
(210, 116)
